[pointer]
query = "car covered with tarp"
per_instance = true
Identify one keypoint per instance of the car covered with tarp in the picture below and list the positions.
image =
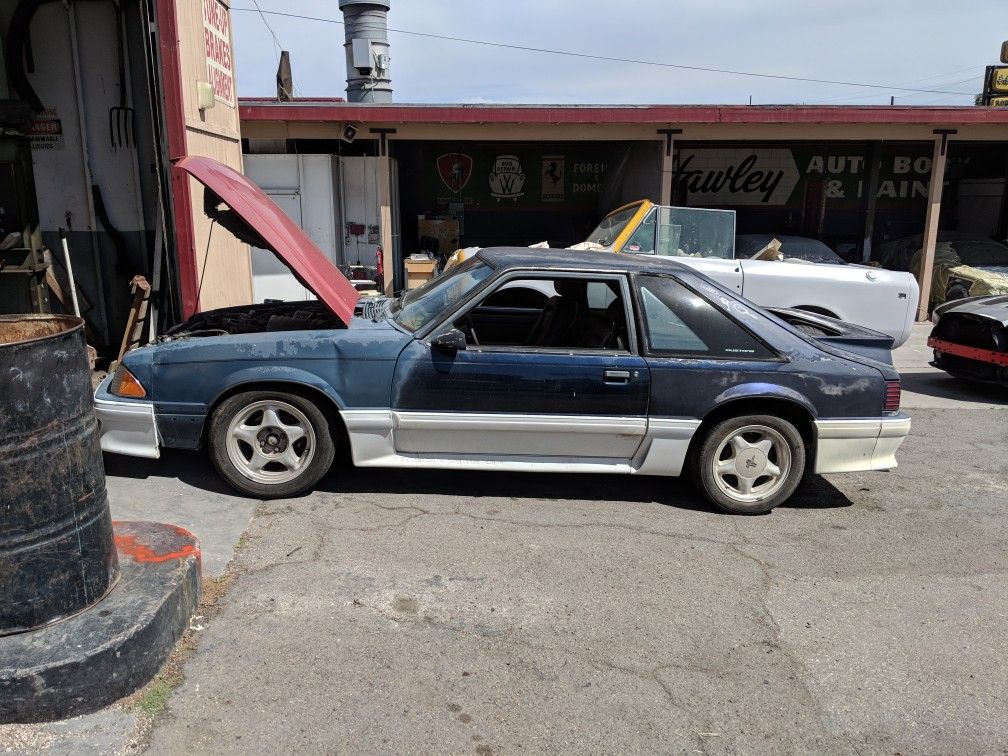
(965, 264)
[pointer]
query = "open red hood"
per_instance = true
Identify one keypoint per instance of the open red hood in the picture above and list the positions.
(306, 261)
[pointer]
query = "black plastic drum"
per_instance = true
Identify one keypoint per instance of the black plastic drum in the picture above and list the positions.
(57, 553)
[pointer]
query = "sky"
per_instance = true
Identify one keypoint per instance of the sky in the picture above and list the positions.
(922, 44)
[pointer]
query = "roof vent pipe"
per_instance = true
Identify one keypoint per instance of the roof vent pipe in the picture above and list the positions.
(367, 50)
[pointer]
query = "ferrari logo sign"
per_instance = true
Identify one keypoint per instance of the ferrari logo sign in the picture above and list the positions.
(507, 179)
(553, 178)
(455, 168)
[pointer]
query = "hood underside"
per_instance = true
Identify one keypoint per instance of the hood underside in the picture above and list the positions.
(266, 222)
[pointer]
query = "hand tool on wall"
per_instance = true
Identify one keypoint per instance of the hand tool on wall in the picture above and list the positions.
(121, 115)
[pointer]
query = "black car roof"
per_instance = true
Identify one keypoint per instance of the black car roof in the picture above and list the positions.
(539, 258)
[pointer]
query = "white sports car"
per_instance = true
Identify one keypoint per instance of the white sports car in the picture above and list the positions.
(882, 300)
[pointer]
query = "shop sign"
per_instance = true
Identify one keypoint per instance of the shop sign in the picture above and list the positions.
(46, 133)
(455, 168)
(587, 177)
(507, 178)
(552, 178)
(762, 176)
(217, 45)
(997, 80)
(726, 177)
(485, 175)
(998, 102)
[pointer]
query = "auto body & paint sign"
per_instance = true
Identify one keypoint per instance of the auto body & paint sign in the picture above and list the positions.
(775, 176)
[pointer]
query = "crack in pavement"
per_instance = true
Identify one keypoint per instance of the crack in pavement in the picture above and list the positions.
(805, 675)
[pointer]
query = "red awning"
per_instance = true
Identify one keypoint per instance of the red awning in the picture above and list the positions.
(292, 246)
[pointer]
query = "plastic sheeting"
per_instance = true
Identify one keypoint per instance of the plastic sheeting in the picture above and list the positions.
(945, 259)
(982, 282)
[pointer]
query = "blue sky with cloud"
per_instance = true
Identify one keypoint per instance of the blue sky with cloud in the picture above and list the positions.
(930, 44)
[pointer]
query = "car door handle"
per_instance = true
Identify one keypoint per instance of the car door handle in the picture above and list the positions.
(616, 376)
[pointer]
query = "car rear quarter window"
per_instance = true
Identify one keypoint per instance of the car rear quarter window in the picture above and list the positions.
(679, 322)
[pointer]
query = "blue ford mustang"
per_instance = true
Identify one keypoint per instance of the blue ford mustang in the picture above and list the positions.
(522, 360)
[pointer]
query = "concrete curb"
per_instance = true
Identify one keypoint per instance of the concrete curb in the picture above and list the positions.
(108, 651)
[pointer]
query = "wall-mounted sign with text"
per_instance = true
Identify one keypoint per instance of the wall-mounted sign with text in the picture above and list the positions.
(763, 176)
(46, 132)
(776, 176)
(219, 57)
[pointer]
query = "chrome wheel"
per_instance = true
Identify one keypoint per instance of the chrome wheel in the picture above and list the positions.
(270, 441)
(752, 463)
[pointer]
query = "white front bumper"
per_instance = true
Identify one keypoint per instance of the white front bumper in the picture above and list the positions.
(859, 444)
(127, 427)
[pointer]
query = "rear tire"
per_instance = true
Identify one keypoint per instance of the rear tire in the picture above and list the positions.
(270, 444)
(958, 290)
(749, 464)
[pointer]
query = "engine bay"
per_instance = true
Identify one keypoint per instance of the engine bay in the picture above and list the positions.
(259, 318)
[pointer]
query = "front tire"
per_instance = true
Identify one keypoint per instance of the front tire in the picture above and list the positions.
(750, 464)
(270, 444)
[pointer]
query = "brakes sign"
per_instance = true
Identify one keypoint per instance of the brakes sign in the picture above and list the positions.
(217, 41)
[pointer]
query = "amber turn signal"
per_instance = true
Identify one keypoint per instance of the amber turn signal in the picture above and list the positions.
(124, 383)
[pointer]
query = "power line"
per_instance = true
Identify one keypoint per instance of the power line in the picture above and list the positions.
(864, 94)
(257, 9)
(573, 54)
(977, 79)
(276, 42)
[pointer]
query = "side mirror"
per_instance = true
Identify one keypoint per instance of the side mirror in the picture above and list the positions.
(450, 341)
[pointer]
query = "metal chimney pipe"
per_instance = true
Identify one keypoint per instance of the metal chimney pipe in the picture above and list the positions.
(367, 50)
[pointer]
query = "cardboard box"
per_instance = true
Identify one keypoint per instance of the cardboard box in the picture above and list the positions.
(419, 272)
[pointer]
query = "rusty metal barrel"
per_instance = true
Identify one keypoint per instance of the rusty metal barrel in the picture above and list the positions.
(57, 551)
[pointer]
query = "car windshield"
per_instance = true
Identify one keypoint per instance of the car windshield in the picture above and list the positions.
(792, 247)
(418, 307)
(607, 231)
(696, 232)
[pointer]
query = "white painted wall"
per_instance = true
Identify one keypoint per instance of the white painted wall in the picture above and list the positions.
(357, 178)
(302, 185)
(321, 193)
(62, 189)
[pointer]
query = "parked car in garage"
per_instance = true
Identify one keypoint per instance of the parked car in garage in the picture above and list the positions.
(632, 365)
(970, 339)
(964, 265)
(793, 248)
(704, 239)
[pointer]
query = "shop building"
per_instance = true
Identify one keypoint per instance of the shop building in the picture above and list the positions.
(94, 126)
(853, 177)
(98, 100)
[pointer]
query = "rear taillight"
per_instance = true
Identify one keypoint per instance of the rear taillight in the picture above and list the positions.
(892, 396)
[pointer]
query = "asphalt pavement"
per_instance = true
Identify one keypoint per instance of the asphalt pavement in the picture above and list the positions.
(414, 611)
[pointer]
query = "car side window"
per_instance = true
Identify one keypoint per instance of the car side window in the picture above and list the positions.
(567, 312)
(680, 322)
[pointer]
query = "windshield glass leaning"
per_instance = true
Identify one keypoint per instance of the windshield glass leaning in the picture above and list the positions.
(420, 306)
(607, 231)
(695, 232)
